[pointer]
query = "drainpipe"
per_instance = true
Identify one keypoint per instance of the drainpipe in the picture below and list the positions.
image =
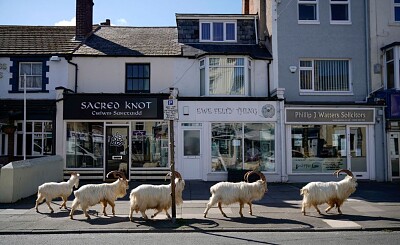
(367, 43)
(255, 28)
(269, 80)
(76, 73)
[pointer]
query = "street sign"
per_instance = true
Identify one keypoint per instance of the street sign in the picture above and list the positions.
(171, 109)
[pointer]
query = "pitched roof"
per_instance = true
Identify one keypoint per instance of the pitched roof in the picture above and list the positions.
(36, 40)
(132, 41)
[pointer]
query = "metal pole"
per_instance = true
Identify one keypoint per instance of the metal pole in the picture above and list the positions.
(172, 166)
(24, 126)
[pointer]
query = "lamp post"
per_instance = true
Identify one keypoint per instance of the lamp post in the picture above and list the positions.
(24, 126)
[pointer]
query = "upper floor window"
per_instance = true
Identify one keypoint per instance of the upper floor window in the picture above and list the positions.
(32, 71)
(218, 31)
(396, 6)
(308, 11)
(324, 76)
(340, 11)
(138, 78)
(221, 76)
(390, 68)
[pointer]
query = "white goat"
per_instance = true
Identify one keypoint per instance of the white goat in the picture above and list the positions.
(52, 190)
(242, 192)
(156, 197)
(332, 193)
(92, 194)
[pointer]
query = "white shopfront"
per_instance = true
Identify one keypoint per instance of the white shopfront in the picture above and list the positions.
(214, 137)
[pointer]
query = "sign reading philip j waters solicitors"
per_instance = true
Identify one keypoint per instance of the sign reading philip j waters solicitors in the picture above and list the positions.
(328, 115)
(111, 106)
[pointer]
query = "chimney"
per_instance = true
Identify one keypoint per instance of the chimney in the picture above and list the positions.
(106, 23)
(245, 6)
(84, 18)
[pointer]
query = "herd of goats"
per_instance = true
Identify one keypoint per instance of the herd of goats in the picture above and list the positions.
(158, 197)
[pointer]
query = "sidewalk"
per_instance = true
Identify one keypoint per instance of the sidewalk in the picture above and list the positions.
(374, 206)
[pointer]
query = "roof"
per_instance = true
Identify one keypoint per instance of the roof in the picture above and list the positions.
(34, 40)
(132, 41)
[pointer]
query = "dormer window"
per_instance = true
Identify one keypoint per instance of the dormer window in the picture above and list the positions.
(218, 31)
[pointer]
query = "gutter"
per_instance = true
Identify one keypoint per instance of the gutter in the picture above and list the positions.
(76, 72)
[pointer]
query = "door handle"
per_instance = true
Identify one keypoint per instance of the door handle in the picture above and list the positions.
(116, 157)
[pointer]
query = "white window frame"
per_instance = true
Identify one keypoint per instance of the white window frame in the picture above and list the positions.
(340, 22)
(313, 2)
(224, 22)
(312, 68)
(21, 77)
(204, 63)
(396, 65)
(42, 133)
(395, 5)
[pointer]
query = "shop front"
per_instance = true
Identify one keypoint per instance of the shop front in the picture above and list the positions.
(323, 140)
(216, 138)
(106, 132)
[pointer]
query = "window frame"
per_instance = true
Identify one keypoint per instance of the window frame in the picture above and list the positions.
(204, 63)
(395, 5)
(211, 29)
(43, 133)
(137, 78)
(21, 76)
(340, 2)
(396, 67)
(312, 69)
(308, 2)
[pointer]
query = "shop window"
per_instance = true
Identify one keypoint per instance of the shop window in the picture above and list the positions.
(39, 138)
(84, 145)
(223, 76)
(3, 143)
(318, 148)
(308, 11)
(138, 78)
(150, 144)
(248, 146)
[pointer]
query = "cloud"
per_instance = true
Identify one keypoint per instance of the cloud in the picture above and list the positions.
(122, 22)
(71, 22)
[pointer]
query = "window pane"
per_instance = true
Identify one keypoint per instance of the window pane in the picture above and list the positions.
(191, 142)
(339, 12)
(390, 74)
(331, 75)
(307, 12)
(305, 79)
(230, 31)
(138, 78)
(205, 31)
(25, 69)
(37, 69)
(218, 31)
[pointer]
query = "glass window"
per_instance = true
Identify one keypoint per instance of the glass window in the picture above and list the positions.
(3, 143)
(84, 146)
(39, 138)
(243, 146)
(150, 144)
(396, 10)
(218, 31)
(138, 78)
(308, 10)
(191, 142)
(390, 83)
(324, 76)
(226, 76)
(32, 71)
(318, 148)
(340, 10)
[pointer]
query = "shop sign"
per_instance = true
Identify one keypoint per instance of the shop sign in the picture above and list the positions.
(110, 107)
(317, 165)
(328, 115)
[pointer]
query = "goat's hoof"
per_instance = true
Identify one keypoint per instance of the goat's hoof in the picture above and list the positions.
(52, 211)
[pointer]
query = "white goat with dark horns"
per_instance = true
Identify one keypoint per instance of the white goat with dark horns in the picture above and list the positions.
(243, 192)
(156, 197)
(52, 190)
(92, 194)
(333, 193)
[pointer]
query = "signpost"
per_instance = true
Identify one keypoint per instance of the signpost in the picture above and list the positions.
(171, 114)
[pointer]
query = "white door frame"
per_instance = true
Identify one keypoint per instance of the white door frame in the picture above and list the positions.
(358, 175)
(391, 152)
(194, 159)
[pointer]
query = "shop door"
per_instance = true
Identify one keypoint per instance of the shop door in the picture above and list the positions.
(192, 153)
(394, 154)
(357, 151)
(117, 149)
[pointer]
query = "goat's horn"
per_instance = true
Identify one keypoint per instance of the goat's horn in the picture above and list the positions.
(116, 174)
(246, 176)
(262, 176)
(178, 175)
(348, 172)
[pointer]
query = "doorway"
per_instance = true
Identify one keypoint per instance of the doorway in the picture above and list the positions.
(357, 156)
(117, 149)
(394, 156)
(192, 151)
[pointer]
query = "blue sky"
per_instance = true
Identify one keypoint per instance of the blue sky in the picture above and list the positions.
(120, 12)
